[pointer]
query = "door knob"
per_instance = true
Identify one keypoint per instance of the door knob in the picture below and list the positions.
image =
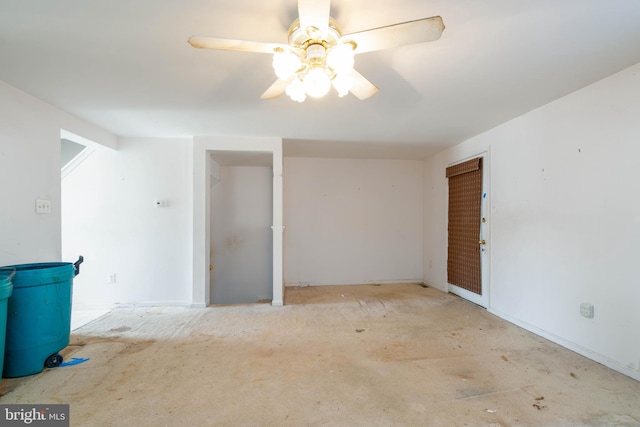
(482, 242)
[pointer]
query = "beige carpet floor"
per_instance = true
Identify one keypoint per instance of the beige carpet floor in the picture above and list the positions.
(391, 355)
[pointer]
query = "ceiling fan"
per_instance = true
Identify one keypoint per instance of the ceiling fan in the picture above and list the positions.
(318, 56)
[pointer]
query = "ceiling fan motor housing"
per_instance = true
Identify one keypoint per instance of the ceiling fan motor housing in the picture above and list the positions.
(315, 53)
(299, 37)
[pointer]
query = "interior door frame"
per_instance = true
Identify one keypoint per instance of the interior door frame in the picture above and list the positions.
(201, 234)
(485, 228)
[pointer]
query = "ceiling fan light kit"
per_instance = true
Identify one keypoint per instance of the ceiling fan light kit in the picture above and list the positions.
(315, 61)
(319, 57)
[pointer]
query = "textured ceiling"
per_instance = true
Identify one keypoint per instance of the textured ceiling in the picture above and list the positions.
(125, 65)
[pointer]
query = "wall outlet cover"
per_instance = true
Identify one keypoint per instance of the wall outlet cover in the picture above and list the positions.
(586, 310)
(43, 206)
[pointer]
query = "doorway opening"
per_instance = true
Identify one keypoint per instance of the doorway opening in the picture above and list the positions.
(209, 154)
(241, 235)
(74, 149)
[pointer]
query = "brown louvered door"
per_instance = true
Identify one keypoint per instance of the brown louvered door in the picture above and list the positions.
(465, 203)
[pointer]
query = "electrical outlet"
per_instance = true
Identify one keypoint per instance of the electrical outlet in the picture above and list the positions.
(586, 310)
(112, 278)
(43, 206)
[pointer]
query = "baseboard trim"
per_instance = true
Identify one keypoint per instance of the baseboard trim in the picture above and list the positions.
(154, 304)
(92, 306)
(365, 282)
(583, 351)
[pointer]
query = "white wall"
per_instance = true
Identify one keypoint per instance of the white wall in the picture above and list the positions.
(352, 221)
(241, 219)
(565, 220)
(110, 217)
(30, 170)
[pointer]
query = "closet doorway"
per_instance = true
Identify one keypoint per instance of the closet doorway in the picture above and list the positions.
(241, 252)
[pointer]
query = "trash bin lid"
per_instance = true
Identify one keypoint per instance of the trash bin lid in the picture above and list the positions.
(41, 273)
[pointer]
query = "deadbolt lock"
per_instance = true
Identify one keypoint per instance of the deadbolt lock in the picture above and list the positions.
(482, 242)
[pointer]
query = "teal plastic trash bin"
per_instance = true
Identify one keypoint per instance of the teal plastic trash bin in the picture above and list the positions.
(38, 317)
(6, 288)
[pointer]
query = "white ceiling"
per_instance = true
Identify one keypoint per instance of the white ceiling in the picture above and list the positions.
(125, 65)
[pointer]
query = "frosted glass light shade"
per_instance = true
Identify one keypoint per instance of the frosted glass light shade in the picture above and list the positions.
(341, 58)
(317, 83)
(343, 83)
(285, 64)
(295, 90)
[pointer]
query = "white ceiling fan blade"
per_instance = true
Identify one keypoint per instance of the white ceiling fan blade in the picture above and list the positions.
(362, 88)
(203, 42)
(314, 13)
(419, 31)
(276, 89)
